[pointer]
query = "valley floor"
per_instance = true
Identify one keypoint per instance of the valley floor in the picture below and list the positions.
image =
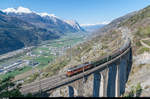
(40, 56)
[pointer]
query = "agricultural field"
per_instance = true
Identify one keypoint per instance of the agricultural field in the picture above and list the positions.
(43, 54)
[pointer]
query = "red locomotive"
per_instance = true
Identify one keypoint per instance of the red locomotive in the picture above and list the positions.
(78, 68)
(83, 67)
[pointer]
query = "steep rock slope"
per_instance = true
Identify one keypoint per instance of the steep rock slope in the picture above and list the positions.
(138, 29)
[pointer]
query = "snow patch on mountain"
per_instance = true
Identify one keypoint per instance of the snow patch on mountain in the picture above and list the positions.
(26, 10)
(18, 10)
(46, 14)
(52, 16)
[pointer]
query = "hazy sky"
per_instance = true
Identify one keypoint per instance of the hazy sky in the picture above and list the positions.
(83, 11)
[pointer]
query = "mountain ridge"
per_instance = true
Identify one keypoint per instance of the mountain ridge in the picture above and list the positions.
(16, 33)
(44, 20)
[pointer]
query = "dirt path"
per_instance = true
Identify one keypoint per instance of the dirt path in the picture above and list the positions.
(144, 43)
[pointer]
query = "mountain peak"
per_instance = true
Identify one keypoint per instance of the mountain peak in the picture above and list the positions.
(24, 10)
(17, 10)
(21, 9)
(73, 23)
(46, 14)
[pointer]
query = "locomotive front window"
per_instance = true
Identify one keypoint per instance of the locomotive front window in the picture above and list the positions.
(69, 70)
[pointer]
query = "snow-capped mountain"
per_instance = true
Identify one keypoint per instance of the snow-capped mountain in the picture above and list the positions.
(18, 10)
(74, 24)
(44, 20)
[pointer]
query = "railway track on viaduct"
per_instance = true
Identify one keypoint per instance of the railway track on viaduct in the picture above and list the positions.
(56, 81)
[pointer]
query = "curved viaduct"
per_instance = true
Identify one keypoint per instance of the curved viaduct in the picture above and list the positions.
(105, 80)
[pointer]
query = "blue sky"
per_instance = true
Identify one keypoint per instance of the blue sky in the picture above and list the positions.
(83, 11)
